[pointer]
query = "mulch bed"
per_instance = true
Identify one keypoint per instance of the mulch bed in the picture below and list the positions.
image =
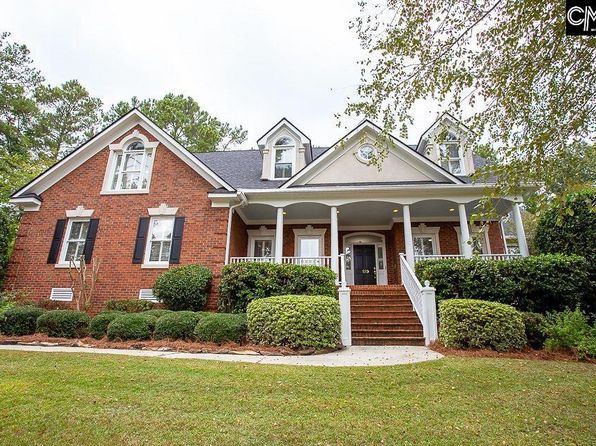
(527, 354)
(39, 339)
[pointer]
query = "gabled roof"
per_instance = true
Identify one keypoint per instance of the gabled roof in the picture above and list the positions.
(94, 145)
(396, 144)
(445, 117)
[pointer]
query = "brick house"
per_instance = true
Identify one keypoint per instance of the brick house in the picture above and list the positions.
(139, 201)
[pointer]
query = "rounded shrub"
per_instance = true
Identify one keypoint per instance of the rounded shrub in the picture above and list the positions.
(221, 327)
(157, 312)
(131, 326)
(64, 323)
(469, 323)
(184, 288)
(177, 325)
(21, 320)
(295, 321)
(98, 327)
(534, 327)
(129, 305)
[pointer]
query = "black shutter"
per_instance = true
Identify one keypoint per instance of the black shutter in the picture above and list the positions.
(90, 239)
(139, 251)
(177, 240)
(55, 247)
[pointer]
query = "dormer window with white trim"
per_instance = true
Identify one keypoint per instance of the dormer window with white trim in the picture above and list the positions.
(284, 150)
(130, 165)
(450, 154)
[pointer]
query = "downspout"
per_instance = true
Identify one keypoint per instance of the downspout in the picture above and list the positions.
(243, 202)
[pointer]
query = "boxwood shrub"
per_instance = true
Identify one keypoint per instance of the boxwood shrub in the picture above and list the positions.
(157, 312)
(129, 305)
(177, 325)
(539, 284)
(131, 326)
(295, 321)
(64, 323)
(184, 288)
(221, 327)
(242, 283)
(469, 323)
(98, 327)
(21, 320)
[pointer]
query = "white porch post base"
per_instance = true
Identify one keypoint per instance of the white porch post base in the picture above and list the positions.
(429, 313)
(346, 318)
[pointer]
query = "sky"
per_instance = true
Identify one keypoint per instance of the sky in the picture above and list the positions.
(245, 62)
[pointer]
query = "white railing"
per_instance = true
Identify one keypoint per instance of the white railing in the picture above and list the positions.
(317, 261)
(418, 257)
(252, 259)
(422, 298)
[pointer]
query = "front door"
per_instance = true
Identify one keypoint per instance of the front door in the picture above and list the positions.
(364, 265)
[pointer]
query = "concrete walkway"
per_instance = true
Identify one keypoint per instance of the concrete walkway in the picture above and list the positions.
(348, 357)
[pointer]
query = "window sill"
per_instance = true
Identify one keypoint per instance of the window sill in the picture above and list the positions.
(124, 192)
(60, 300)
(65, 265)
(155, 265)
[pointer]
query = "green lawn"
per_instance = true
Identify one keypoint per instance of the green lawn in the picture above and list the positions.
(84, 399)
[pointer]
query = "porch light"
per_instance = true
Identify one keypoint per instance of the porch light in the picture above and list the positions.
(394, 211)
(285, 213)
(451, 209)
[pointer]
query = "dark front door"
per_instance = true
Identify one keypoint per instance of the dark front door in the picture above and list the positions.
(364, 265)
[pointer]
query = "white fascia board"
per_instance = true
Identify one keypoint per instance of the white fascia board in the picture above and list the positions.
(282, 122)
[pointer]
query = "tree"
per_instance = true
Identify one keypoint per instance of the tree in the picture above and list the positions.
(184, 120)
(530, 90)
(69, 116)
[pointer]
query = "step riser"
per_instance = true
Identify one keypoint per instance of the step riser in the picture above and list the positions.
(385, 320)
(384, 314)
(396, 341)
(387, 334)
(388, 327)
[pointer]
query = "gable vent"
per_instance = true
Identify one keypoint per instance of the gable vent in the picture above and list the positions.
(147, 294)
(64, 294)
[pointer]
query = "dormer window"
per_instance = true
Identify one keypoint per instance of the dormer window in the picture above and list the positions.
(130, 165)
(450, 154)
(284, 149)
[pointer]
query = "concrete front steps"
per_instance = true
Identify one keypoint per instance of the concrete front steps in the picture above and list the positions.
(383, 315)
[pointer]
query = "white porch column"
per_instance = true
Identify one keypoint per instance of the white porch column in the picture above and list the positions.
(408, 240)
(279, 235)
(521, 233)
(334, 242)
(465, 231)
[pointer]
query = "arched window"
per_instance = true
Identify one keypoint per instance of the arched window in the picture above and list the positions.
(450, 154)
(132, 167)
(284, 150)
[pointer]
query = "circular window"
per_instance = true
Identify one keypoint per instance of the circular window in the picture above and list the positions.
(366, 153)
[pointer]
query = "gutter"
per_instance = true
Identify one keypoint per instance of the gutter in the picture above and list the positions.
(243, 202)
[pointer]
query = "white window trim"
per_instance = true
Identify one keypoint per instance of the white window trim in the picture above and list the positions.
(362, 160)
(62, 261)
(274, 153)
(436, 146)
(79, 212)
(156, 264)
(146, 291)
(429, 231)
(309, 233)
(163, 209)
(473, 230)
(61, 290)
(260, 234)
(119, 149)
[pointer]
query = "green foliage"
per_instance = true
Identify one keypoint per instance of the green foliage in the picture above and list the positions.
(183, 119)
(9, 219)
(64, 323)
(129, 306)
(295, 321)
(221, 327)
(98, 327)
(468, 323)
(569, 227)
(565, 330)
(21, 320)
(587, 345)
(533, 323)
(537, 283)
(184, 288)
(49, 304)
(177, 325)
(131, 326)
(159, 312)
(244, 282)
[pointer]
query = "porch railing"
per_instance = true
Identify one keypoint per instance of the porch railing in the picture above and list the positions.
(317, 261)
(252, 259)
(417, 258)
(422, 298)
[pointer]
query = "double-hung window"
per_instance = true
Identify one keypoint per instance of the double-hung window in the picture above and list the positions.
(263, 247)
(284, 152)
(450, 155)
(424, 245)
(159, 241)
(74, 241)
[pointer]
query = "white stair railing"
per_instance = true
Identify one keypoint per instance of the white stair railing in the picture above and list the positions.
(422, 298)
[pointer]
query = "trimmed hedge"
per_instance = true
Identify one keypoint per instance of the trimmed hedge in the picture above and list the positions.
(129, 305)
(241, 283)
(184, 288)
(98, 327)
(177, 325)
(295, 321)
(534, 327)
(21, 320)
(157, 312)
(221, 327)
(539, 284)
(131, 326)
(64, 323)
(468, 323)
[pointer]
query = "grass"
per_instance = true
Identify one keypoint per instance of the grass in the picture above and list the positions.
(85, 399)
